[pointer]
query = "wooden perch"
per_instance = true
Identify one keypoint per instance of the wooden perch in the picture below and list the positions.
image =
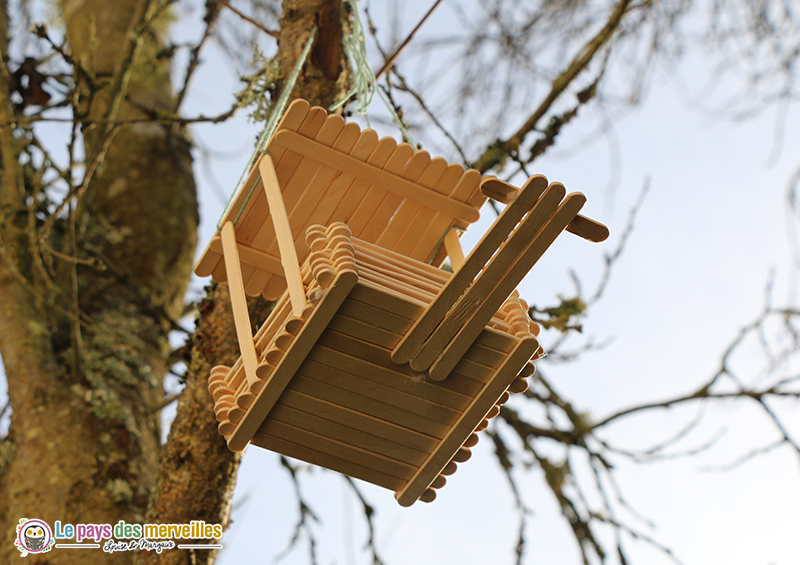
(581, 226)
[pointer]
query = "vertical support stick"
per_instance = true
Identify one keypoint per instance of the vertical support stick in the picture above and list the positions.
(454, 251)
(283, 233)
(239, 303)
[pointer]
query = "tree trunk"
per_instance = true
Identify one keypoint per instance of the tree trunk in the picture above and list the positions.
(84, 442)
(85, 345)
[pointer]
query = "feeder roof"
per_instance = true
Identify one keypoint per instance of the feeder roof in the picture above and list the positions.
(329, 171)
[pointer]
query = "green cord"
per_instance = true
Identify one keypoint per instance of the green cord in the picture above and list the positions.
(441, 241)
(365, 84)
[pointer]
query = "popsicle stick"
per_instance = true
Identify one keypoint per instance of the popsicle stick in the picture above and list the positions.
(358, 420)
(454, 251)
(254, 257)
(464, 306)
(425, 215)
(588, 229)
(327, 460)
(581, 226)
(381, 320)
(238, 302)
(430, 392)
(370, 293)
(283, 231)
(378, 263)
(392, 204)
(461, 279)
(283, 373)
(345, 376)
(292, 119)
(318, 210)
(376, 408)
(401, 275)
(303, 191)
(466, 424)
(398, 260)
(430, 237)
(535, 249)
(377, 176)
(380, 154)
(359, 438)
(372, 198)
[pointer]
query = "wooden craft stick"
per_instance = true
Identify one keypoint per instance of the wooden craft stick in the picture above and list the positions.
(398, 260)
(464, 306)
(283, 231)
(302, 192)
(588, 229)
(461, 279)
(345, 377)
(441, 222)
(424, 215)
(280, 377)
(581, 226)
(376, 408)
(360, 438)
(362, 369)
(319, 209)
(403, 211)
(358, 420)
(394, 183)
(466, 424)
(454, 251)
(536, 248)
(239, 302)
(372, 198)
(390, 204)
(340, 464)
(254, 257)
(378, 154)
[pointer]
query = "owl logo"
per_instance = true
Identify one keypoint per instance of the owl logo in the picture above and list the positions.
(33, 536)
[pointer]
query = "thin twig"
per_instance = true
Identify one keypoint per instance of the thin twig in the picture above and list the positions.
(248, 19)
(389, 62)
(212, 13)
(493, 155)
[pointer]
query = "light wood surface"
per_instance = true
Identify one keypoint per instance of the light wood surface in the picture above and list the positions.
(244, 332)
(581, 226)
(466, 424)
(412, 343)
(283, 232)
(375, 175)
(354, 418)
(454, 251)
(471, 329)
(280, 377)
(327, 460)
(464, 306)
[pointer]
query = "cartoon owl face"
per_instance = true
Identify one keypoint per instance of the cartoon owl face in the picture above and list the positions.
(34, 537)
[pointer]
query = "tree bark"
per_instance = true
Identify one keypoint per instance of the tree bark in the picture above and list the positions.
(84, 442)
(85, 347)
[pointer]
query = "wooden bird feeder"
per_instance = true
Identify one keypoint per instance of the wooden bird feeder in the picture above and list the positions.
(375, 362)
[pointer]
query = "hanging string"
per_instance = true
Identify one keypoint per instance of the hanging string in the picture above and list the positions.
(441, 241)
(365, 84)
(272, 123)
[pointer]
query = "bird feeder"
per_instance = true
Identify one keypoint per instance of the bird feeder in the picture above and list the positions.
(375, 362)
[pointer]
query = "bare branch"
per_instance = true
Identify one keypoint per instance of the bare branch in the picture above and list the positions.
(248, 19)
(492, 156)
(212, 13)
(390, 60)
